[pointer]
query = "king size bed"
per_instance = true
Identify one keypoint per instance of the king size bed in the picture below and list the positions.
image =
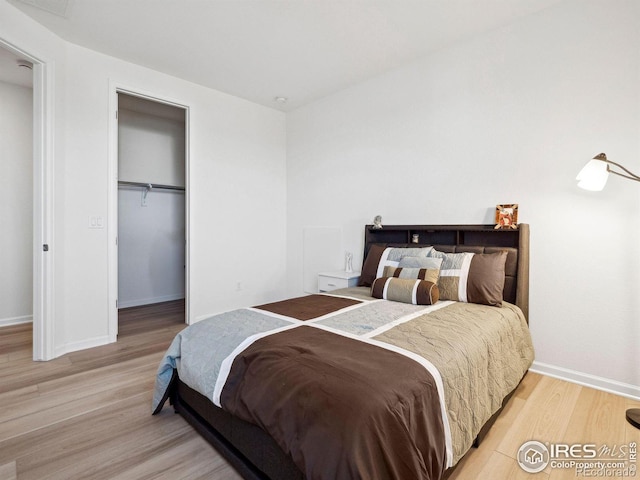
(396, 378)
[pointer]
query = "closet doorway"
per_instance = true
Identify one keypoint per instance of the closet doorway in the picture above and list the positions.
(151, 208)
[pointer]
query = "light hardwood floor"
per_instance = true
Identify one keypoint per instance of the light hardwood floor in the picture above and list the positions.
(87, 414)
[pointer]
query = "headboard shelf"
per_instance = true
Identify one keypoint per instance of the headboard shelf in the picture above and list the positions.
(474, 238)
(443, 235)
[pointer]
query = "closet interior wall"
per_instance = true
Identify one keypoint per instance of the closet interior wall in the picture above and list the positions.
(151, 219)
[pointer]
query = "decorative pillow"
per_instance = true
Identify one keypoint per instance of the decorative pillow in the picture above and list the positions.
(420, 268)
(472, 277)
(430, 263)
(398, 253)
(370, 265)
(380, 256)
(406, 290)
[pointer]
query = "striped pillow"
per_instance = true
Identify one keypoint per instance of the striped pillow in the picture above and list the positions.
(472, 277)
(422, 268)
(380, 256)
(406, 290)
(429, 275)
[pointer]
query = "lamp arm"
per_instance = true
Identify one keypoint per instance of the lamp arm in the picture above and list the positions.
(630, 176)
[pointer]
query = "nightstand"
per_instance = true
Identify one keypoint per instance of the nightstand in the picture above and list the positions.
(328, 281)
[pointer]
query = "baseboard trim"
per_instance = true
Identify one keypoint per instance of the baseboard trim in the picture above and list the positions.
(599, 383)
(5, 322)
(147, 301)
(82, 345)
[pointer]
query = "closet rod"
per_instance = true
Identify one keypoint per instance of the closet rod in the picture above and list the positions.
(152, 185)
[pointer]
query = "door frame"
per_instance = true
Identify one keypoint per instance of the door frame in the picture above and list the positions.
(43, 203)
(112, 223)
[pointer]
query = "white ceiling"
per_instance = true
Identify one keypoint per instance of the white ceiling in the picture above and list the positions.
(261, 49)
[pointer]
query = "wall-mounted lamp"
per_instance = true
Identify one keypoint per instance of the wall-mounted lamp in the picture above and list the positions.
(593, 176)
(595, 173)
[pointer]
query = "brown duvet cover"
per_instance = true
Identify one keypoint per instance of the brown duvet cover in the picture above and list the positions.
(340, 407)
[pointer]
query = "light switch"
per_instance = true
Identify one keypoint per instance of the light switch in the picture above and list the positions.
(96, 221)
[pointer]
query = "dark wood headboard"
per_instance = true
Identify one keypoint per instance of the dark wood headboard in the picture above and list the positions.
(467, 238)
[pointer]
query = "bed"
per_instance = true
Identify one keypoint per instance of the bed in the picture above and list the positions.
(396, 378)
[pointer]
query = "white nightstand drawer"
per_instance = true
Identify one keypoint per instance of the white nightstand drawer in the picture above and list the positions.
(333, 280)
(326, 284)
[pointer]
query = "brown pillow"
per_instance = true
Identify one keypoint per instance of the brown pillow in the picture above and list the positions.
(406, 290)
(486, 278)
(370, 266)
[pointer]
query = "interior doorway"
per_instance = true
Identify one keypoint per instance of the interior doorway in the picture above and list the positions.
(151, 205)
(40, 140)
(16, 189)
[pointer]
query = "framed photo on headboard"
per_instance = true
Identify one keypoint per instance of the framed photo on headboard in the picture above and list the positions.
(507, 216)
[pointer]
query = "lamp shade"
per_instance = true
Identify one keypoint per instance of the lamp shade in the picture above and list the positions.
(593, 175)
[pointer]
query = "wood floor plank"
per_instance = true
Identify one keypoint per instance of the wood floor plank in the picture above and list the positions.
(502, 466)
(86, 415)
(90, 431)
(98, 377)
(596, 416)
(190, 459)
(50, 415)
(545, 416)
(58, 392)
(8, 471)
(477, 458)
(8, 399)
(87, 456)
(595, 420)
(528, 385)
(16, 338)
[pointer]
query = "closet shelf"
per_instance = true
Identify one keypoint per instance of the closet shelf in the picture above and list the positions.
(150, 185)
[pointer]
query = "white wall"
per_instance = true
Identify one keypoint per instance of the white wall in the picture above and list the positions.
(237, 163)
(150, 148)
(151, 245)
(507, 117)
(16, 203)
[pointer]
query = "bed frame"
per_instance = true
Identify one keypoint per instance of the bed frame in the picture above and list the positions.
(252, 452)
